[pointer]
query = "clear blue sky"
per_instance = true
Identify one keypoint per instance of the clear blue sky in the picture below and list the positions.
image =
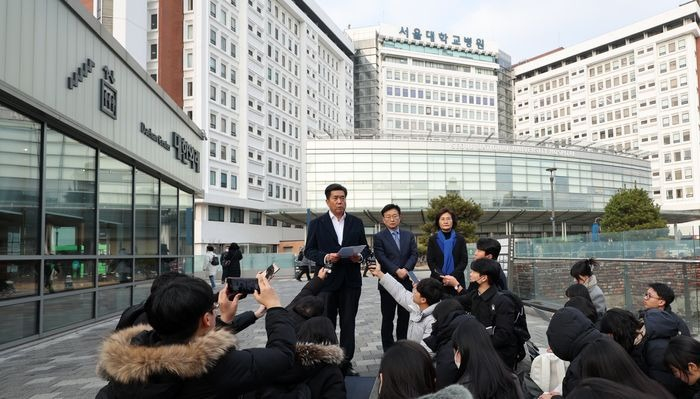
(521, 28)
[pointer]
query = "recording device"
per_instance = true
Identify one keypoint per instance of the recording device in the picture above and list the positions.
(245, 286)
(370, 262)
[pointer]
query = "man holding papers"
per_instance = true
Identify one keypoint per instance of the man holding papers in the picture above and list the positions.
(341, 290)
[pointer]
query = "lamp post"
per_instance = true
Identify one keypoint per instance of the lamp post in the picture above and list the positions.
(551, 186)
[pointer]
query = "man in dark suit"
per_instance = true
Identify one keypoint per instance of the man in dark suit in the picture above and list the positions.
(397, 252)
(341, 291)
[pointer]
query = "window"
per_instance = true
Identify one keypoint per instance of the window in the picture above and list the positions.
(216, 213)
(212, 64)
(234, 182)
(154, 51)
(255, 217)
(212, 37)
(223, 151)
(154, 21)
(233, 155)
(212, 9)
(237, 215)
(188, 89)
(212, 149)
(224, 179)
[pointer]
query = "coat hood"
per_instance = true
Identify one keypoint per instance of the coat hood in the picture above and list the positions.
(442, 333)
(310, 355)
(569, 332)
(660, 324)
(133, 355)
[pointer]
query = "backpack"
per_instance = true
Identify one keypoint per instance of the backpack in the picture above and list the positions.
(214, 260)
(225, 260)
(522, 334)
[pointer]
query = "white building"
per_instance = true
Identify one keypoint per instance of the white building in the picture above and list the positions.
(258, 77)
(632, 90)
(413, 83)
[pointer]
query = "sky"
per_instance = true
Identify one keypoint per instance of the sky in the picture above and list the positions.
(521, 28)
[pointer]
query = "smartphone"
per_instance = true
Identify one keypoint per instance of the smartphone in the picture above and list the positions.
(271, 270)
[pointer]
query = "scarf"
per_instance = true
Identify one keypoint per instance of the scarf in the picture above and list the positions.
(446, 245)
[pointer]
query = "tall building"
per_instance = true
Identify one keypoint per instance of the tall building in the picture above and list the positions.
(633, 90)
(417, 84)
(258, 77)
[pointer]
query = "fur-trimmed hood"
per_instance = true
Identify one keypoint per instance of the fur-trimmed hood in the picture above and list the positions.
(133, 355)
(310, 355)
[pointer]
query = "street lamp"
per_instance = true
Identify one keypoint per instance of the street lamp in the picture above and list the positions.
(551, 186)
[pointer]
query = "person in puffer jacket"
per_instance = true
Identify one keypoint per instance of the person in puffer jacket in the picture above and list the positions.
(660, 326)
(316, 373)
(183, 356)
(568, 334)
(449, 314)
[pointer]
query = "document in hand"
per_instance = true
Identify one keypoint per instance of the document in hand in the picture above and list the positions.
(347, 252)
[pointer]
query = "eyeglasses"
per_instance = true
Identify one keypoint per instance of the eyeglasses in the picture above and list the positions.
(392, 217)
(649, 296)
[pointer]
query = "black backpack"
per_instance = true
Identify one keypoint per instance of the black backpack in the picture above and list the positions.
(522, 334)
(214, 260)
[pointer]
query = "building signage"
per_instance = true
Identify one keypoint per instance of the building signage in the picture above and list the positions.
(108, 94)
(81, 73)
(155, 137)
(506, 148)
(455, 40)
(185, 152)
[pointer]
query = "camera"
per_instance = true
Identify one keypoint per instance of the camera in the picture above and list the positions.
(370, 262)
(239, 285)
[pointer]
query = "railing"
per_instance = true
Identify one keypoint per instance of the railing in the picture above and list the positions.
(540, 269)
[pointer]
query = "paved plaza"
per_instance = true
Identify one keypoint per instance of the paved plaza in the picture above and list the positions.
(64, 366)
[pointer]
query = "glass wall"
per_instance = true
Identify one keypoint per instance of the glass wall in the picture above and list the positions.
(70, 196)
(19, 179)
(108, 230)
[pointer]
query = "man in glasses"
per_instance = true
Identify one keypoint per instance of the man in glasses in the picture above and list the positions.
(397, 253)
(660, 296)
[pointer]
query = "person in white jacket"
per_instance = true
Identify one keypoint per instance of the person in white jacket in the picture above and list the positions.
(209, 267)
(419, 303)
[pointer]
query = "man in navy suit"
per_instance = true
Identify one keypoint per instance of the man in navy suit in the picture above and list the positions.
(341, 290)
(397, 252)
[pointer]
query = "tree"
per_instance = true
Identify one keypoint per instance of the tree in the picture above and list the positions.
(467, 212)
(631, 209)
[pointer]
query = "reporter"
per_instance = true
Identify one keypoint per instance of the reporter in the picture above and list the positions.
(184, 356)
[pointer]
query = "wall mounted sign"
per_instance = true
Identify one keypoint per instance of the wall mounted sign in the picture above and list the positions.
(185, 152)
(455, 40)
(158, 139)
(81, 73)
(108, 94)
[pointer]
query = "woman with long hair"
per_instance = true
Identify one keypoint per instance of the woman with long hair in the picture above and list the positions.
(406, 371)
(231, 262)
(607, 359)
(480, 368)
(683, 358)
(447, 251)
(624, 327)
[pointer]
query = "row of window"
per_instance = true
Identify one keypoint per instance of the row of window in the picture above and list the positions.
(678, 174)
(282, 192)
(223, 151)
(418, 77)
(552, 84)
(414, 125)
(439, 96)
(613, 132)
(221, 179)
(678, 156)
(236, 215)
(419, 109)
(611, 65)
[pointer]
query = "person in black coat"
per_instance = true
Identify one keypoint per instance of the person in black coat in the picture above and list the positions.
(316, 372)
(449, 314)
(447, 251)
(327, 234)
(568, 334)
(231, 262)
(494, 310)
(184, 356)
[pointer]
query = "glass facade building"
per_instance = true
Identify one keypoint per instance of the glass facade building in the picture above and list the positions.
(499, 177)
(97, 192)
(83, 236)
